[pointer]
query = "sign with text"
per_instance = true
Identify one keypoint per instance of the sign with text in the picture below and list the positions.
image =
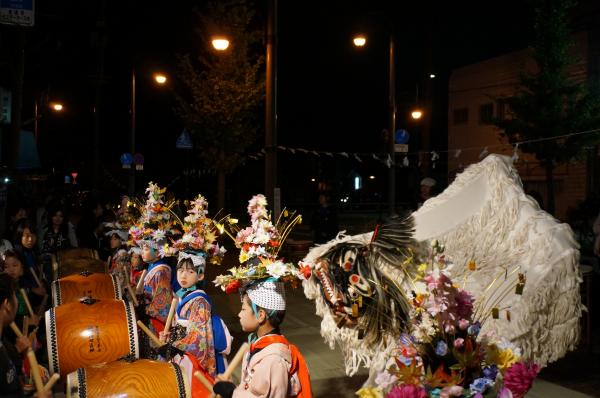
(401, 148)
(17, 12)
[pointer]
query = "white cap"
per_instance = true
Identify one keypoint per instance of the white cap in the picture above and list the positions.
(428, 182)
(197, 259)
(269, 295)
(123, 235)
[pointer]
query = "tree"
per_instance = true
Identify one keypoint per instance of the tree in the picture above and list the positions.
(223, 90)
(550, 103)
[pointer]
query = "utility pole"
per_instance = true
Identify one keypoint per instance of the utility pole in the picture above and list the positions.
(271, 105)
(392, 127)
(100, 43)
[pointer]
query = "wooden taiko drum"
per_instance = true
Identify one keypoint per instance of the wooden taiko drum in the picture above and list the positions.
(90, 332)
(77, 287)
(142, 378)
(78, 265)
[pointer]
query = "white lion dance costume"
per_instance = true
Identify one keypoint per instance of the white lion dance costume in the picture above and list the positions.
(485, 216)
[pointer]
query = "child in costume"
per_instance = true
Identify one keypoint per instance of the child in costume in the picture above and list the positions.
(196, 333)
(137, 265)
(119, 257)
(273, 368)
(153, 233)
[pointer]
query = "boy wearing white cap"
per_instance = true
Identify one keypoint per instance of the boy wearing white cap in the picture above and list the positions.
(272, 368)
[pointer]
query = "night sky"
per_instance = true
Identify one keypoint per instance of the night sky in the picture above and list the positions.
(331, 96)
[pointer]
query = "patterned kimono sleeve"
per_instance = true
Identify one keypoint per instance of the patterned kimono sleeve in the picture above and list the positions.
(198, 340)
(160, 285)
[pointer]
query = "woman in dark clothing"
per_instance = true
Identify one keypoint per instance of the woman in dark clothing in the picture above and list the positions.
(56, 234)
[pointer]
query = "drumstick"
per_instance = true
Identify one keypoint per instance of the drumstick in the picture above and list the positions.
(25, 325)
(27, 303)
(37, 280)
(205, 382)
(35, 370)
(42, 306)
(51, 382)
(132, 294)
(15, 329)
(171, 314)
(150, 334)
(140, 284)
(237, 359)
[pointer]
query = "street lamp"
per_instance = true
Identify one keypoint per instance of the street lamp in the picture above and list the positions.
(416, 114)
(159, 78)
(359, 41)
(56, 106)
(220, 43)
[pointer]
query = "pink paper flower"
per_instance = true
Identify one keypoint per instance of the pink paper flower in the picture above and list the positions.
(519, 378)
(407, 391)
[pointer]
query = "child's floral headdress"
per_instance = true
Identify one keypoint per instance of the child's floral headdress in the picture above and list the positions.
(157, 225)
(199, 240)
(259, 245)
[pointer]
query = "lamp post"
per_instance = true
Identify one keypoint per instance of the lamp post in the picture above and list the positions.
(159, 78)
(271, 107)
(360, 41)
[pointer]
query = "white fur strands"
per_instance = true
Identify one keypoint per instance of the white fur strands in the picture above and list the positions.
(485, 216)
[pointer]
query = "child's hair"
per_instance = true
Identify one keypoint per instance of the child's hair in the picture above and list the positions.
(8, 287)
(275, 317)
(185, 263)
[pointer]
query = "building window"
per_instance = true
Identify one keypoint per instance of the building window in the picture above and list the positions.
(501, 109)
(357, 183)
(486, 113)
(461, 116)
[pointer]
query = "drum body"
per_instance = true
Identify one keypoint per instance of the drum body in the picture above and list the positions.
(90, 332)
(142, 378)
(77, 287)
(78, 265)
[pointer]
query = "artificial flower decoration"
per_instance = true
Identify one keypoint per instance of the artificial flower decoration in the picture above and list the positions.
(259, 245)
(441, 353)
(157, 225)
(200, 232)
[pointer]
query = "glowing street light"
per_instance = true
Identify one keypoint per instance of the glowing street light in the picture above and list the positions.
(57, 106)
(432, 76)
(416, 114)
(160, 78)
(220, 43)
(359, 41)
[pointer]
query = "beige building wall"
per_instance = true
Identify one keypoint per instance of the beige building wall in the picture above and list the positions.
(473, 94)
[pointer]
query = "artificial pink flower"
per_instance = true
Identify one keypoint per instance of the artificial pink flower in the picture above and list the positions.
(519, 378)
(453, 391)
(407, 391)
(463, 324)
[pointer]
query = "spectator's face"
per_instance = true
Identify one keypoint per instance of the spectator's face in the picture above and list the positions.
(425, 191)
(9, 306)
(28, 239)
(57, 219)
(98, 211)
(13, 267)
(20, 214)
(115, 241)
